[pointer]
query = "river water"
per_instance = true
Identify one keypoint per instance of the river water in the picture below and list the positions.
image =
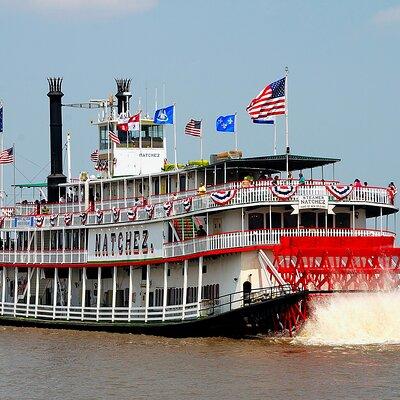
(58, 364)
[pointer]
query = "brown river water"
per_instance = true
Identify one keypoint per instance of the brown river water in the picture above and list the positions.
(58, 364)
(349, 349)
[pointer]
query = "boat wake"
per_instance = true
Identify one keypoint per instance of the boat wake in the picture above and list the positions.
(352, 319)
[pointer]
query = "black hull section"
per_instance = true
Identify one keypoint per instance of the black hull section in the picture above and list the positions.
(253, 319)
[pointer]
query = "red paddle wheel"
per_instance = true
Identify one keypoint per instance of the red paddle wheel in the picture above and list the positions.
(338, 264)
(321, 264)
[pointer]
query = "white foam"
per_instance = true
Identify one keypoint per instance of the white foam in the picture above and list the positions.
(353, 319)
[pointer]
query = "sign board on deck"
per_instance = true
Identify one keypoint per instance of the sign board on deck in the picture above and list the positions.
(315, 202)
(125, 243)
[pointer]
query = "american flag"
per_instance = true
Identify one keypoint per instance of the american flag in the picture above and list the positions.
(7, 156)
(114, 137)
(270, 101)
(193, 128)
(94, 156)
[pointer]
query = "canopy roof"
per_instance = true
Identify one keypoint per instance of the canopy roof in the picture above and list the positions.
(278, 162)
(31, 185)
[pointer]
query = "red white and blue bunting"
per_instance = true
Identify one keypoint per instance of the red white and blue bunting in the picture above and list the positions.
(168, 208)
(1, 221)
(283, 192)
(132, 214)
(99, 216)
(53, 219)
(67, 219)
(187, 204)
(116, 214)
(339, 191)
(150, 210)
(39, 220)
(83, 217)
(222, 197)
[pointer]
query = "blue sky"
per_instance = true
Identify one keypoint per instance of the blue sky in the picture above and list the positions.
(214, 56)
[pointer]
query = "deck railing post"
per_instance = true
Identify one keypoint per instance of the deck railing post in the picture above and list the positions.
(98, 300)
(37, 291)
(114, 293)
(130, 292)
(15, 290)
(165, 290)
(3, 290)
(28, 291)
(199, 284)
(147, 298)
(83, 296)
(55, 292)
(69, 295)
(184, 297)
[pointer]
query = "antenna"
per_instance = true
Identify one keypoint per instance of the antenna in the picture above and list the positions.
(155, 100)
(163, 93)
(146, 100)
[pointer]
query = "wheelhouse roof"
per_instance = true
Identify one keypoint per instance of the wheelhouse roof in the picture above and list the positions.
(31, 185)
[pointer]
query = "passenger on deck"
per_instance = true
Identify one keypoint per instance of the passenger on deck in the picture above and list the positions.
(202, 189)
(201, 232)
(275, 181)
(246, 182)
(392, 190)
(290, 176)
(357, 183)
(62, 199)
(302, 180)
(137, 201)
(174, 197)
(365, 183)
(45, 209)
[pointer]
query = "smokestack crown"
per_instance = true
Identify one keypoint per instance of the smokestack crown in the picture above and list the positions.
(55, 86)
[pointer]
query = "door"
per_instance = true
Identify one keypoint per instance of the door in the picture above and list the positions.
(246, 292)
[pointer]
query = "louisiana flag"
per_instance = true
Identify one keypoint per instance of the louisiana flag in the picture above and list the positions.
(164, 116)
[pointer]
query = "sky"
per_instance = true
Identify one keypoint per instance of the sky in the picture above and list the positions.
(214, 56)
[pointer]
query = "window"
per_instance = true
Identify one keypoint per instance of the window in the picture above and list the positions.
(103, 145)
(204, 269)
(144, 273)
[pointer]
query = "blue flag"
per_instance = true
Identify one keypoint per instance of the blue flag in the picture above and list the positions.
(1, 118)
(225, 123)
(164, 116)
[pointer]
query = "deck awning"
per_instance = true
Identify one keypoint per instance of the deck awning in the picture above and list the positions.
(278, 162)
(30, 185)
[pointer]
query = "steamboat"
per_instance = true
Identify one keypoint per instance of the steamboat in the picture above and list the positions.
(214, 248)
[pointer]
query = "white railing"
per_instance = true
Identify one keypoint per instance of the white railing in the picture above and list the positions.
(259, 193)
(260, 237)
(46, 257)
(102, 314)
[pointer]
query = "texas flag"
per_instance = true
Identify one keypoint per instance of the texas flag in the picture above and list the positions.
(129, 124)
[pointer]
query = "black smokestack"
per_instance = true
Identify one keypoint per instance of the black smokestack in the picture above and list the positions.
(123, 94)
(56, 177)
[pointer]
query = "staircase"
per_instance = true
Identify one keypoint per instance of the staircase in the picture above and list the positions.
(185, 228)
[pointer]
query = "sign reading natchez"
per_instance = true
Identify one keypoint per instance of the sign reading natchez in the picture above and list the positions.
(134, 242)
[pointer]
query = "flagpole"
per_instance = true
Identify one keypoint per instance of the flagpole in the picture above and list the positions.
(108, 147)
(140, 140)
(201, 140)
(175, 154)
(287, 122)
(275, 136)
(15, 192)
(236, 138)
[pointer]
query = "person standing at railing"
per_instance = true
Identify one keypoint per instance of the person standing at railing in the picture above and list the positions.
(201, 232)
(302, 180)
(202, 189)
(392, 190)
(357, 183)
